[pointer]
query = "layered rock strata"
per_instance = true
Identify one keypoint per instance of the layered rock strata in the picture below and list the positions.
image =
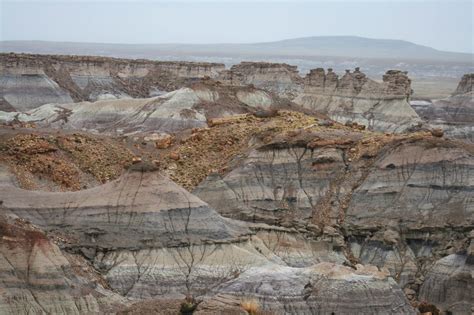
(28, 81)
(465, 85)
(36, 277)
(137, 231)
(356, 98)
(150, 238)
(324, 288)
(301, 213)
(138, 210)
(169, 112)
(449, 283)
(279, 78)
(401, 203)
(179, 110)
(352, 98)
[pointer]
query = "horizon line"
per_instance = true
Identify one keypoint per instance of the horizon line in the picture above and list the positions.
(232, 43)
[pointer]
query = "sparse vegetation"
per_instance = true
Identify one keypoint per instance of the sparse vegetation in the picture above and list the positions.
(188, 306)
(63, 162)
(425, 307)
(251, 306)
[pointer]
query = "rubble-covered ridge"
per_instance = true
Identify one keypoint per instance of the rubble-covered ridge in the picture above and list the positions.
(211, 150)
(62, 162)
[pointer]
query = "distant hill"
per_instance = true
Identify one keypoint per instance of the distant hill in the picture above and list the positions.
(360, 47)
(320, 46)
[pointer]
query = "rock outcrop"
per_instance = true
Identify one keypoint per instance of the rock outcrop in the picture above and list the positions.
(465, 85)
(279, 78)
(28, 81)
(353, 97)
(356, 98)
(167, 113)
(455, 114)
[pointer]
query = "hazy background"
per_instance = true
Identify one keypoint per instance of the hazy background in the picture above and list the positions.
(445, 25)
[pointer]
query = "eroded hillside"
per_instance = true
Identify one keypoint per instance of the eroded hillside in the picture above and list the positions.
(256, 191)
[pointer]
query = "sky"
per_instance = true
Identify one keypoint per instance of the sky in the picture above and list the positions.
(445, 25)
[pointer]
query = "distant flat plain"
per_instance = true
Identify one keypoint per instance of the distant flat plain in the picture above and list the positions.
(436, 88)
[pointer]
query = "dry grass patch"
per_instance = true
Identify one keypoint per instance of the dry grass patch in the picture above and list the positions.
(251, 306)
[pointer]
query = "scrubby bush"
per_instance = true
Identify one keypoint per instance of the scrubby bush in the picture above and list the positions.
(251, 306)
(188, 306)
(425, 307)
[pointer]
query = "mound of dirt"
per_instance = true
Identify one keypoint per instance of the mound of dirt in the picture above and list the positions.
(62, 162)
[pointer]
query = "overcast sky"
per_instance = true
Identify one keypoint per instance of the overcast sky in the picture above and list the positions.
(445, 25)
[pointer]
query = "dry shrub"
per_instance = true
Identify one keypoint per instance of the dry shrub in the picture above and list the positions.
(425, 307)
(252, 306)
(189, 305)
